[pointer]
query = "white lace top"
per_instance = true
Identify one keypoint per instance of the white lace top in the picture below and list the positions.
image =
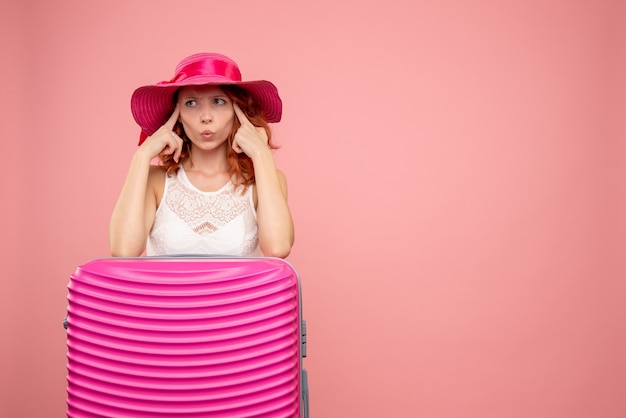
(190, 221)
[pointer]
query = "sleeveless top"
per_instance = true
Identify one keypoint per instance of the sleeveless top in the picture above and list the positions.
(190, 221)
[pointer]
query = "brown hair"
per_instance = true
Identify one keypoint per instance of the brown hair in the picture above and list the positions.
(241, 167)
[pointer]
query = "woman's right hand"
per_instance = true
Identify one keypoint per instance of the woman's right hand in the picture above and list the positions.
(164, 141)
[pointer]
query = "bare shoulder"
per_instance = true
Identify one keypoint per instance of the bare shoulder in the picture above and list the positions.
(156, 181)
(158, 170)
(156, 174)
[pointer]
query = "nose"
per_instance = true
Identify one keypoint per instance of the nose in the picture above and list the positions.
(205, 114)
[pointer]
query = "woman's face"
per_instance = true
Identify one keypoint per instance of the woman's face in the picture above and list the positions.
(207, 115)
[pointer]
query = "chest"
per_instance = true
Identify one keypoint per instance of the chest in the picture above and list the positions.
(207, 182)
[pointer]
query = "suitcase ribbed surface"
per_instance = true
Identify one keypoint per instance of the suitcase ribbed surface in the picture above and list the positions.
(183, 337)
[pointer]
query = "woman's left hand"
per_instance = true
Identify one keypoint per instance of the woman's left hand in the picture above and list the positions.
(249, 139)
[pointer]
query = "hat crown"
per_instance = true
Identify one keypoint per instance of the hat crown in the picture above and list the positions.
(207, 65)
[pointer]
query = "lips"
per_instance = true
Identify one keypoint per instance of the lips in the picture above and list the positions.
(207, 134)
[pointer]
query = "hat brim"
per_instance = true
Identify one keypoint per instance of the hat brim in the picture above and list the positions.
(152, 105)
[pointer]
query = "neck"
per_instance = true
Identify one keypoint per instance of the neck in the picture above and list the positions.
(208, 161)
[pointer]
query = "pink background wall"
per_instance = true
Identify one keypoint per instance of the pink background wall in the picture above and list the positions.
(457, 176)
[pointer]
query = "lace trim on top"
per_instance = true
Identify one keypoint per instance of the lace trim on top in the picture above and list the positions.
(190, 221)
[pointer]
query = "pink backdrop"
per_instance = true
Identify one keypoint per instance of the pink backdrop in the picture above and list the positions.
(457, 176)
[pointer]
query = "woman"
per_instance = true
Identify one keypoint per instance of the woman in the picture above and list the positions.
(217, 189)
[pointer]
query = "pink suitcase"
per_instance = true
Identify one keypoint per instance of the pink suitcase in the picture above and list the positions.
(186, 337)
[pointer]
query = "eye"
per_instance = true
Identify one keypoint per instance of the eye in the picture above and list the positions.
(190, 103)
(219, 101)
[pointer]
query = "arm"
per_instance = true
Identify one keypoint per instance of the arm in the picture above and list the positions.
(133, 214)
(276, 230)
(134, 211)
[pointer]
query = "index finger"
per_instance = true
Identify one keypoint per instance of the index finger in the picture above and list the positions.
(173, 119)
(243, 119)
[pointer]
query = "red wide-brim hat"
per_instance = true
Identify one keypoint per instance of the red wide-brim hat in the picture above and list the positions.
(152, 105)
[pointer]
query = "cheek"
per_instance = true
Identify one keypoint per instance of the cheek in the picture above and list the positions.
(185, 117)
(229, 118)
